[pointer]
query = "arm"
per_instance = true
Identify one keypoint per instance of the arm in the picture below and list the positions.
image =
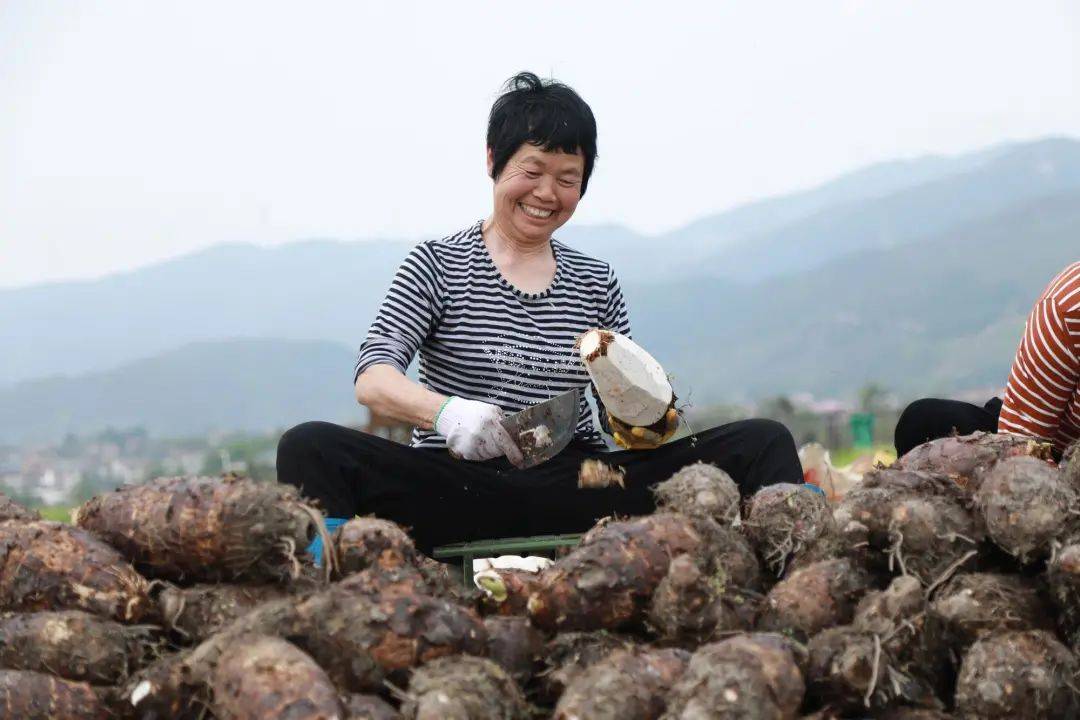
(1044, 375)
(385, 390)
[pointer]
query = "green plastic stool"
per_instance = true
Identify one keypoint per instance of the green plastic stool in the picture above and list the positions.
(535, 544)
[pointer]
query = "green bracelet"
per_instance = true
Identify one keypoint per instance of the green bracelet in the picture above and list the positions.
(435, 422)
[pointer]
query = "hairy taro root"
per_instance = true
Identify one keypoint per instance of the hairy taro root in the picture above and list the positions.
(973, 605)
(515, 645)
(815, 597)
(365, 542)
(1020, 675)
(568, 654)
(199, 611)
(783, 519)
(1026, 505)
(747, 677)
(49, 566)
(963, 457)
(700, 490)
(606, 582)
(463, 688)
(626, 685)
(691, 605)
(30, 695)
(507, 591)
(205, 529)
(74, 645)
(261, 677)
(368, 707)
(11, 510)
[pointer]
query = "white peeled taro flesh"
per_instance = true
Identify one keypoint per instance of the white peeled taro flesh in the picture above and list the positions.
(631, 384)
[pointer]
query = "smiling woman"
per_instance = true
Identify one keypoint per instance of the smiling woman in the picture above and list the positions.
(494, 312)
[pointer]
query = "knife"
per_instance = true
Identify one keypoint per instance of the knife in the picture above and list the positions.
(542, 431)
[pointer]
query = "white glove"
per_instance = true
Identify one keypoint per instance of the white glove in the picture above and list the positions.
(474, 431)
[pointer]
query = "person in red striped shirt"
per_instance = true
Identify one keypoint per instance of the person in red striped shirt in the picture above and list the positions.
(1042, 397)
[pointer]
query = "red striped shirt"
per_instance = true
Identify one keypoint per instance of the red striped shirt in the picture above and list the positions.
(1042, 398)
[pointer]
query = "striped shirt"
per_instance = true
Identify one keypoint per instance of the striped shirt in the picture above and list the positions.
(481, 338)
(1042, 398)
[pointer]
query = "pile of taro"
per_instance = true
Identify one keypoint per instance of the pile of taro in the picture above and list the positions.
(946, 586)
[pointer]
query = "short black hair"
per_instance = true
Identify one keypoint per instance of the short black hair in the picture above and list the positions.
(544, 113)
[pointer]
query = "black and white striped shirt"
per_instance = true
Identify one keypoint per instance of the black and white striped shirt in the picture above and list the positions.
(480, 338)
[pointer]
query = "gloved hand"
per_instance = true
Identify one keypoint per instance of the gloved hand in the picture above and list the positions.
(473, 431)
(644, 438)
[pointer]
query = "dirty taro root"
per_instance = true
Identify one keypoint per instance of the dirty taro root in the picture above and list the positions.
(1021, 675)
(27, 695)
(205, 529)
(11, 510)
(49, 566)
(783, 519)
(1026, 505)
(364, 542)
(909, 522)
(972, 605)
(515, 645)
(626, 685)
(568, 654)
(74, 645)
(199, 611)
(815, 597)
(506, 591)
(747, 677)
(606, 582)
(690, 604)
(360, 640)
(463, 688)
(263, 677)
(1063, 580)
(368, 707)
(700, 490)
(963, 457)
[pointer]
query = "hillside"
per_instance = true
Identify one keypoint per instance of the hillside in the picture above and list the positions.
(254, 385)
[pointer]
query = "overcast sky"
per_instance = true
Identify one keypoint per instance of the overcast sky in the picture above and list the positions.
(135, 131)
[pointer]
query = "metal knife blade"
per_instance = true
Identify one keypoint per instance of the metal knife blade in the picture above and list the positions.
(544, 430)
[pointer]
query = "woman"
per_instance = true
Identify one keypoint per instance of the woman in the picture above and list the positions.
(1042, 397)
(494, 311)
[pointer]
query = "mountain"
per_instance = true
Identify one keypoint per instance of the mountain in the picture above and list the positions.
(934, 316)
(329, 290)
(255, 385)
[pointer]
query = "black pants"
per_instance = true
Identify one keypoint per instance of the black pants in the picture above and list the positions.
(443, 500)
(930, 419)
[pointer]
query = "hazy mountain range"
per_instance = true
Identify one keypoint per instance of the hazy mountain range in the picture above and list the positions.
(915, 274)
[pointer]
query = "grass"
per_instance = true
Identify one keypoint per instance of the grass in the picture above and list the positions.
(844, 456)
(60, 513)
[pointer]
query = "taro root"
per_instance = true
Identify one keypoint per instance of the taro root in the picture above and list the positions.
(1070, 465)
(27, 695)
(784, 518)
(262, 677)
(908, 522)
(972, 605)
(515, 645)
(506, 591)
(962, 457)
(443, 580)
(747, 677)
(815, 597)
(205, 529)
(626, 685)
(690, 605)
(49, 566)
(700, 490)
(199, 611)
(1063, 579)
(368, 707)
(1021, 675)
(74, 645)
(606, 582)
(463, 688)
(360, 640)
(568, 654)
(1026, 505)
(11, 510)
(849, 669)
(365, 542)
(595, 475)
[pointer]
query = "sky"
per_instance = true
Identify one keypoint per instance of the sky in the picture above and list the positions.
(133, 132)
